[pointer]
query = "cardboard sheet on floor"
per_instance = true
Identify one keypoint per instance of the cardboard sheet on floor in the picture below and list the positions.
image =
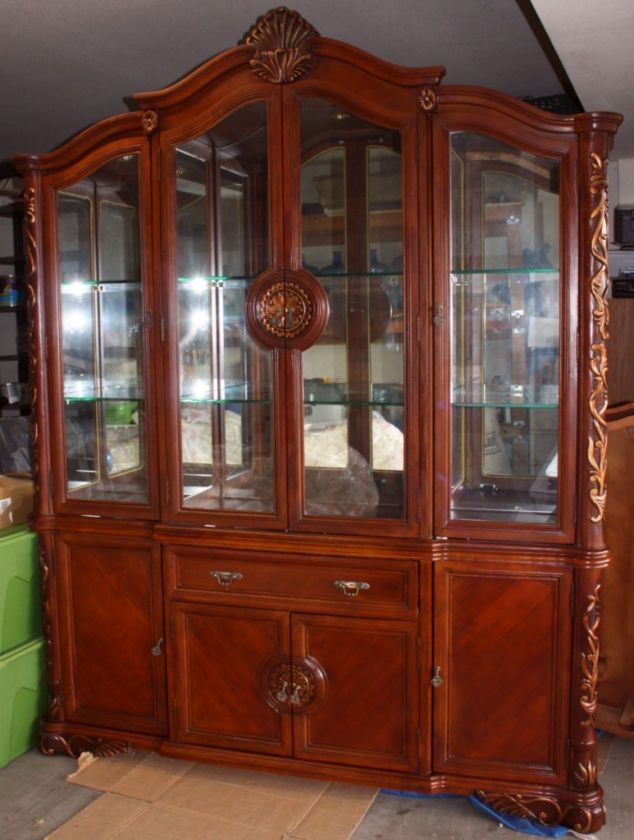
(156, 798)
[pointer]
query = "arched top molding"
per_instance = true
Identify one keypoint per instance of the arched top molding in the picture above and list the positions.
(453, 97)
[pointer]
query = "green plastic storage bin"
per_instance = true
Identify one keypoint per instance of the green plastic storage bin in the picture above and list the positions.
(19, 588)
(22, 698)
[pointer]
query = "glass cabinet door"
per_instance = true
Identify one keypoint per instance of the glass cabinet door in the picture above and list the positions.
(505, 326)
(352, 242)
(225, 377)
(104, 387)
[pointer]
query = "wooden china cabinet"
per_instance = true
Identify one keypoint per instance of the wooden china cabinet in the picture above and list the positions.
(319, 386)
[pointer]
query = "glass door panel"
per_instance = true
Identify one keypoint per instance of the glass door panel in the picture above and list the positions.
(225, 377)
(505, 372)
(352, 241)
(102, 341)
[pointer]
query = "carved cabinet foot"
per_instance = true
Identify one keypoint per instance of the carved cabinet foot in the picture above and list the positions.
(64, 743)
(585, 815)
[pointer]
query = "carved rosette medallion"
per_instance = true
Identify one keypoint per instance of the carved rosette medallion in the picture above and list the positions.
(546, 810)
(598, 440)
(299, 686)
(286, 310)
(590, 659)
(427, 99)
(282, 46)
(149, 121)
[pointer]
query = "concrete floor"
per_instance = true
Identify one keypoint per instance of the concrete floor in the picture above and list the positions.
(35, 799)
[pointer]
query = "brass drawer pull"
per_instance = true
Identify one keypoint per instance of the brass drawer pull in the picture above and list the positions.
(226, 578)
(351, 588)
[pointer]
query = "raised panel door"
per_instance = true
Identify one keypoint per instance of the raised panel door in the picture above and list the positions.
(224, 661)
(362, 707)
(502, 640)
(111, 624)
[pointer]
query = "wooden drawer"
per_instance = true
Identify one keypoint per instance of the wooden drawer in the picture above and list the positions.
(387, 587)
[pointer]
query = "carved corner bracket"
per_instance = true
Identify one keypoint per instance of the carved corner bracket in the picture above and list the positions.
(598, 402)
(281, 39)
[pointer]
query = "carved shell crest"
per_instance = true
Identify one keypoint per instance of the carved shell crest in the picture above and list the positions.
(281, 39)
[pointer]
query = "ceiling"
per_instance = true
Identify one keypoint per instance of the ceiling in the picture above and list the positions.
(68, 63)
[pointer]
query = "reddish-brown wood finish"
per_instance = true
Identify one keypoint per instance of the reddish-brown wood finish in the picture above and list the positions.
(506, 672)
(467, 665)
(112, 637)
(221, 657)
(366, 714)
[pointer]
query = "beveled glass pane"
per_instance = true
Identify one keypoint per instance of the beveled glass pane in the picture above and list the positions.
(102, 342)
(225, 377)
(505, 290)
(352, 241)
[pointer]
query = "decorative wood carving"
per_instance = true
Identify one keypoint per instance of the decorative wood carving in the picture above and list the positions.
(598, 440)
(52, 743)
(585, 775)
(427, 99)
(295, 686)
(286, 310)
(55, 710)
(149, 121)
(546, 810)
(30, 247)
(590, 659)
(282, 46)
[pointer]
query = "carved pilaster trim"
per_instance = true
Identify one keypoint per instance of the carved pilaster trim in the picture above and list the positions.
(589, 659)
(149, 121)
(30, 251)
(281, 39)
(55, 743)
(55, 709)
(546, 810)
(585, 775)
(427, 99)
(598, 402)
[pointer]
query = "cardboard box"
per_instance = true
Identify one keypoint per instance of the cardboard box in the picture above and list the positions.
(16, 499)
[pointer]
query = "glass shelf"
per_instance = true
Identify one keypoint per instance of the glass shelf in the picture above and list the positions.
(505, 270)
(356, 403)
(191, 400)
(79, 287)
(79, 395)
(345, 274)
(500, 404)
(217, 280)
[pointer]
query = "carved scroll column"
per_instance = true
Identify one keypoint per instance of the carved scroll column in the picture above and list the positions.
(595, 142)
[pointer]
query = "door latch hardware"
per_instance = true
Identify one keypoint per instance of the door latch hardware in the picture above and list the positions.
(156, 649)
(437, 680)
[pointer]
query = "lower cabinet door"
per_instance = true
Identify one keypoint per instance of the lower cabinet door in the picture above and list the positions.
(108, 598)
(229, 665)
(502, 645)
(355, 693)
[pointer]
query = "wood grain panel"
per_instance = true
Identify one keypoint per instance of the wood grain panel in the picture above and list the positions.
(368, 716)
(111, 617)
(221, 657)
(502, 642)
